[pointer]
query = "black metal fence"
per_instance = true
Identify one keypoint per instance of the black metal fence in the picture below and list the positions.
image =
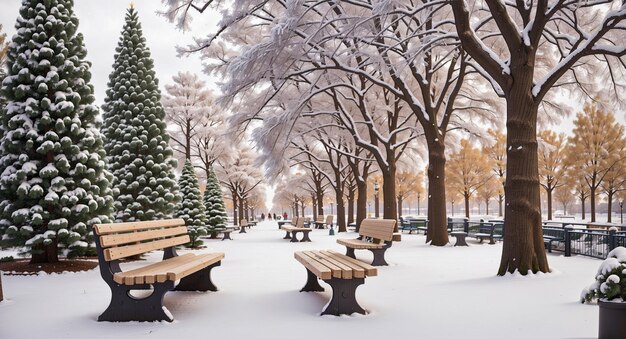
(596, 243)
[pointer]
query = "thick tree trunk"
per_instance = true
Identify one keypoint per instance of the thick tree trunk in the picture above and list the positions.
(302, 208)
(437, 222)
(320, 203)
(235, 217)
(523, 248)
(241, 212)
(313, 199)
(351, 196)
(487, 206)
(549, 194)
(361, 203)
(399, 206)
(592, 202)
(45, 253)
(294, 208)
(390, 210)
(609, 206)
(341, 212)
(467, 208)
(247, 209)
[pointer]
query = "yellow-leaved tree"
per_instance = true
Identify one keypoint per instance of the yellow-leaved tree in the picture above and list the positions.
(467, 171)
(597, 146)
(552, 163)
(408, 183)
(495, 150)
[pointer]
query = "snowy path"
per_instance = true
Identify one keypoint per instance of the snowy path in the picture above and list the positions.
(426, 292)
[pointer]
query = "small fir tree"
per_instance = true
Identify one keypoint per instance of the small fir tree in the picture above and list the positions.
(191, 208)
(144, 185)
(214, 205)
(54, 183)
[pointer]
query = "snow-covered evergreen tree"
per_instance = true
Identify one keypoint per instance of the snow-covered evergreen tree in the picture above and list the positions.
(214, 205)
(191, 208)
(54, 182)
(136, 141)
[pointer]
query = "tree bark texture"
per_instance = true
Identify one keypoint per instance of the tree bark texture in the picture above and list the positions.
(592, 202)
(523, 248)
(466, 197)
(361, 203)
(341, 212)
(235, 217)
(609, 206)
(549, 194)
(351, 196)
(437, 222)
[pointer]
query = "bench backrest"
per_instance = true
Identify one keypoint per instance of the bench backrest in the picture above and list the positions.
(127, 239)
(300, 222)
(295, 220)
(329, 219)
(377, 229)
(320, 219)
(243, 222)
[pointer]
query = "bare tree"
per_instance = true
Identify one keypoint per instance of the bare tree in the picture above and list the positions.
(524, 49)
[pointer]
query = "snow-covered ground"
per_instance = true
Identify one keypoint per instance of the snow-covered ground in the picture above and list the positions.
(426, 292)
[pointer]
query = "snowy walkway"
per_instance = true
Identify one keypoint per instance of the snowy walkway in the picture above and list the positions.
(426, 292)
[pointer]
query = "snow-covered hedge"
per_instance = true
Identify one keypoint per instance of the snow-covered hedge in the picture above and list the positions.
(610, 281)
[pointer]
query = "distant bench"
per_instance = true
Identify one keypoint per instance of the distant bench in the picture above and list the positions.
(292, 231)
(486, 230)
(375, 235)
(342, 273)
(117, 241)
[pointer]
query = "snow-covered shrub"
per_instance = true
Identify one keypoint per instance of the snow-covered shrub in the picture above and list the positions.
(610, 281)
(214, 204)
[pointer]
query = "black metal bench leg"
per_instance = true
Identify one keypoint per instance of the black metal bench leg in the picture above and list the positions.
(125, 307)
(350, 252)
(343, 300)
(287, 235)
(491, 241)
(312, 285)
(226, 236)
(379, 257)
(199, 281)
(305, 237)
(293, 236)
(242, 229)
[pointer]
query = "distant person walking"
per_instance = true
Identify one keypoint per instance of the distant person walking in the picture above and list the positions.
(269, 216)
(262, 216)
(285, 215)
(275, 216)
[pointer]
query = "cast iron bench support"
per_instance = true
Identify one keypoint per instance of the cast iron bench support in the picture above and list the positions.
(378, 253)
(343, 300)
(287, 235)
(305, 236)
(199, 281)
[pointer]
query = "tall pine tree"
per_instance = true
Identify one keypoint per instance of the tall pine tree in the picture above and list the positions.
(54, 182)
(191, 208)
(214, 205)
(136, 141)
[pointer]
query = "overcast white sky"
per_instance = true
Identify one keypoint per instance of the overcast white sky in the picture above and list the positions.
(101, 23)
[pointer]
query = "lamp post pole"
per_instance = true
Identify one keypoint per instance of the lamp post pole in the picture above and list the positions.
(419, 212)
(376, 202)
(621, 212)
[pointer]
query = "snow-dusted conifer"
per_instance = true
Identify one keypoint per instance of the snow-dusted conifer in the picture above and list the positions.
(136, 141)
(214, 204)
(54, 182)
(191, 208)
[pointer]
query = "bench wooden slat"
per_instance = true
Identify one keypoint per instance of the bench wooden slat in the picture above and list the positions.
(127, 238)
(201, 261)
(337, 272)
(288, 228)
(102, 229)
(347, 270)
(314, 266)
(377, 228)
(359, 244)
(145, 274)
(113, 253)
(370, 270)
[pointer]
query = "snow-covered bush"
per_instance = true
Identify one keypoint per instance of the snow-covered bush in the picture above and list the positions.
(214, 204)
(610, 281)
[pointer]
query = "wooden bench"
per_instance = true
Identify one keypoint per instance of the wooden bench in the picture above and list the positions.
(486, 230)
(548, 240)
(117, 241)
(414, 225)
(226, 232)
(342, 273)
(292, 231)
(375, 235)
(243, 223)
(319, 222)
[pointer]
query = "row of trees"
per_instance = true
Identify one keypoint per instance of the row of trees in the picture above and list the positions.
(65, 169)
(348, 85)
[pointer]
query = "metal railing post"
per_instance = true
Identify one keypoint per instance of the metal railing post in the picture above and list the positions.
(612, 242)
(568, 242)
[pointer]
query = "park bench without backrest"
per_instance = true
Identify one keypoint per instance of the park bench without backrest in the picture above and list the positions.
(292, 231)
(122, 240)
(342, 273)
(375, 235)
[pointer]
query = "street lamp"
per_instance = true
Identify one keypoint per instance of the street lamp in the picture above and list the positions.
(419, 212)
(621, 211)
(376, 202)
